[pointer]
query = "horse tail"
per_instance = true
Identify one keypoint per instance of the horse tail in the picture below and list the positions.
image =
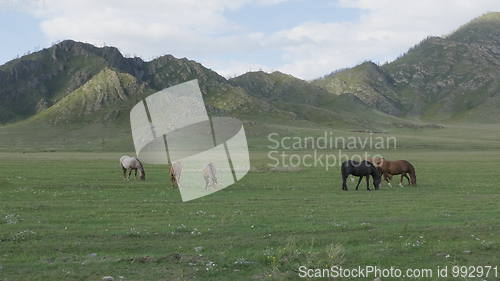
(413, 176)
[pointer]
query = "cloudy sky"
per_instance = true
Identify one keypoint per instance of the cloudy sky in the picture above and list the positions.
(306, 38)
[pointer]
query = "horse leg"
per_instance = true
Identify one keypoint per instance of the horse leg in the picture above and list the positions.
(129, 173)
(386, 178)
(406, 176)
(206, 182)
(345, 176)
(135, 173)
(124, 173)
(368, 183)
(359, 181)
(401, 181)
(344, 182)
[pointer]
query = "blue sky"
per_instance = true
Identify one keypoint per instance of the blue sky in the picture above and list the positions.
(20, 33)
(304, 38)
(286, 15)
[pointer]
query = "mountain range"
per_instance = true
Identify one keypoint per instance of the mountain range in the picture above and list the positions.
(455, 78)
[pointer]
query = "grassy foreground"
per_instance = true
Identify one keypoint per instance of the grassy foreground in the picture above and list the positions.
(70, 216)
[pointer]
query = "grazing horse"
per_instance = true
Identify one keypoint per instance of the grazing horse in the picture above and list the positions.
(132, 164)
(209, 175)
(399, 167)
(360, 169)
(175, 171)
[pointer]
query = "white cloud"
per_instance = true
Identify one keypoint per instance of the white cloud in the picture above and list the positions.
(385, 30)
(148, 28)
(199, 30)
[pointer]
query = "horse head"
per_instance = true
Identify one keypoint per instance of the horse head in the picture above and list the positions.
(140, 167)
(413, 180)
(142, 174)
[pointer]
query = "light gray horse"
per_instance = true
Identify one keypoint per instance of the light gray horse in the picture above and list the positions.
(132, 163)
(209, 175)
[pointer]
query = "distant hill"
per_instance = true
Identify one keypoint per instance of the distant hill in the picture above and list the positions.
(70, 81)
(309, 101)
(77, 84)
(104, 97)
(369, 83)
(37, 81)
(454, 78)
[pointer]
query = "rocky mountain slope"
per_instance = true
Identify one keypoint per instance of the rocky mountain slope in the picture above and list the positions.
(308, 101)
(74, 83)
(72, 80)
(366, 81)
(454, 78)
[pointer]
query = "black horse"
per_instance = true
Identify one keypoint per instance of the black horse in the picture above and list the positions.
(360, 169)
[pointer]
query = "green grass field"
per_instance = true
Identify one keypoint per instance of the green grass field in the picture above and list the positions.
(70, 216)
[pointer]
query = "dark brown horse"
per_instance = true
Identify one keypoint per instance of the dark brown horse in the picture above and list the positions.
(399, 167)
(360, 169)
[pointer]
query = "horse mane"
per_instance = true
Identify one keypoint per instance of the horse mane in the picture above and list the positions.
(142, 166)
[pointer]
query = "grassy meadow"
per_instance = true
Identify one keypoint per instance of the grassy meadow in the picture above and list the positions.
(68, 215)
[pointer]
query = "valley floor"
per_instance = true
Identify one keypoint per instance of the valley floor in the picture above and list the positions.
(70, 216)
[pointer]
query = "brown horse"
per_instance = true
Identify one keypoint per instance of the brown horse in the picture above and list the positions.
(399, 167)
